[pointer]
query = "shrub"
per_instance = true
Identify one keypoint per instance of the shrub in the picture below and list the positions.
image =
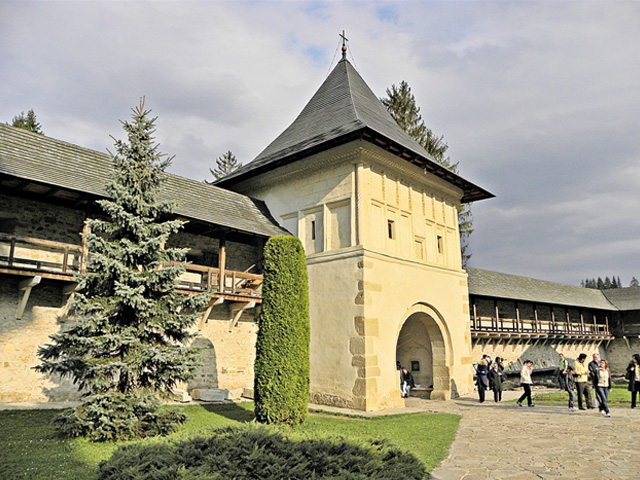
(281, 384)
(260, 452)
(115, 416)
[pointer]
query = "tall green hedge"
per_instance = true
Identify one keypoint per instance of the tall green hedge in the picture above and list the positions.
(282, 351)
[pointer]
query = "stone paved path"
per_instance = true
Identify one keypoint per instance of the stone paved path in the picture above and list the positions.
(506, 442)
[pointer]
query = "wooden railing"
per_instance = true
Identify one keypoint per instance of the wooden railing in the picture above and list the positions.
(44, 256)
(513, 325)
(40, 255)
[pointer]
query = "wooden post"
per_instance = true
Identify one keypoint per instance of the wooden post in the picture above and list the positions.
(606, 322)
(566, 318)
(86, 229)
(222, 261)
(495, 304)
(518, 319)
(535, 318)
(595, 324)
(582, 330)
(475, 315)
(553, 318)
(12, 250)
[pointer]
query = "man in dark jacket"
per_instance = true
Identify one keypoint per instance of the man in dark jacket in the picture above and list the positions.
(406, 382)
(593, 376)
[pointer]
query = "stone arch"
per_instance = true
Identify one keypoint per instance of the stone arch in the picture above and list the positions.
(423, 336)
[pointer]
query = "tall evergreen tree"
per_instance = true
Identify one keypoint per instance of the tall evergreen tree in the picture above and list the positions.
(127, 342)
(634, 282)
(281, 384)
(225, 164)
(402, 106)
(27, 122)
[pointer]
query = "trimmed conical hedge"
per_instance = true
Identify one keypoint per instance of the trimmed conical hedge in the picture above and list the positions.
(282, 351)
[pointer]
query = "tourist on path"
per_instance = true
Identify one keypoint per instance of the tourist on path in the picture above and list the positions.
(482, 370)
(562, 371)
(633, 375)
(406, 382)
(570, 386)
(581, 373)
(604, 385)
(526, 382)
(495, 380)
(593, 376)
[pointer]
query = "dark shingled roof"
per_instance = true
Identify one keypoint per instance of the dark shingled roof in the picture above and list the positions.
(512, 287)
(343, 109)
(41, 159)
(624, 298)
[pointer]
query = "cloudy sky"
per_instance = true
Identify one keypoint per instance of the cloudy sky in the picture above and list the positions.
(539, 101)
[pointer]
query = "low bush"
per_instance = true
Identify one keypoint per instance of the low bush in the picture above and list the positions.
(259, 452)
(115, 416)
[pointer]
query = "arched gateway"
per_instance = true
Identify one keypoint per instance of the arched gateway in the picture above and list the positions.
(423, 347)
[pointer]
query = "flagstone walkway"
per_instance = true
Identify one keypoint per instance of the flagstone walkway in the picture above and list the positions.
(506, 442)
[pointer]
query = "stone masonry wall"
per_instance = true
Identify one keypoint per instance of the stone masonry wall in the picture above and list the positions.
(20, 339)
(228, 352)
(30, 218)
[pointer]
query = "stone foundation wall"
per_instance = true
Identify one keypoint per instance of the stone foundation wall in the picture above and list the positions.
(30, 218)
(19, 342)
(618, 353)
(514, 355)
(228, 352)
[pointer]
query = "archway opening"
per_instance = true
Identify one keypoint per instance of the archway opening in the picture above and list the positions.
(421, 349)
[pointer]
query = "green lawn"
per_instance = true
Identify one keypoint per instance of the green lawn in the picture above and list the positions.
(30, 449)
(619, 396)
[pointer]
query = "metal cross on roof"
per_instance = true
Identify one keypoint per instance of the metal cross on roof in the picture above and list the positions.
(344, 45)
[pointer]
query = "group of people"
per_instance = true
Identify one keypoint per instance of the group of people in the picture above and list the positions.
(579, 377)
(582, 378)
(489, 376)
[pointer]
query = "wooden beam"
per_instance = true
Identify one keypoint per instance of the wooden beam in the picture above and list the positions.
(25, 287)
(222, 261)
(237, 312)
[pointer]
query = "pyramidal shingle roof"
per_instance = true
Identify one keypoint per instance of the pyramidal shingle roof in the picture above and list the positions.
(343, 109)
(45, 160)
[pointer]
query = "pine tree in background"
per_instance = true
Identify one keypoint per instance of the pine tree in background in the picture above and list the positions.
(281, 385)
(27, 122)
(634, 282)
(126, 345)
(225, 164)
(402, 106)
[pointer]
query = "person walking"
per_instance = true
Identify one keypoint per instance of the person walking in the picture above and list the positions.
(604, 385)
(581, 372)
(562, 371)
(633, 375)
(526, 383)
(495, 380)
(593, 376)
(482, 370)
(570, 387)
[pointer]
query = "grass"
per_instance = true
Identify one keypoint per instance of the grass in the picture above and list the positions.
(31, 450)
(619, 396)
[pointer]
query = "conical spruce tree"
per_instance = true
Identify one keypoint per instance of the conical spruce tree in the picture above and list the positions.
(281, 385)
(127, 342)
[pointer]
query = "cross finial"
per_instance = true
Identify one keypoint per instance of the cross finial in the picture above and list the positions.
(344, 45)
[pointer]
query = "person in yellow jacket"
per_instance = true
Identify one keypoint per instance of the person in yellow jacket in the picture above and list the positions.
(581, 373)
